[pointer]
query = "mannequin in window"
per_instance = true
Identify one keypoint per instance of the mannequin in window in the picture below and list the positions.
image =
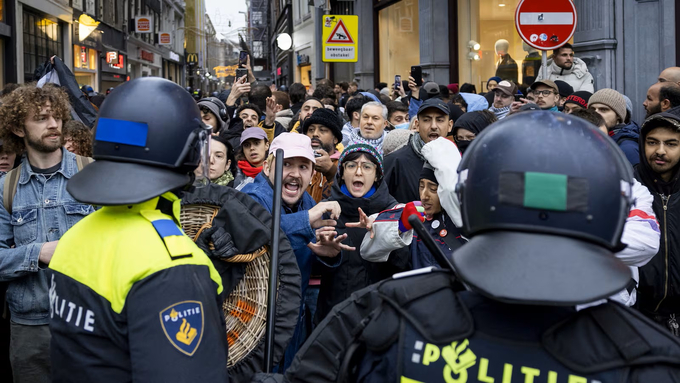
(506, 67)
(531, 64)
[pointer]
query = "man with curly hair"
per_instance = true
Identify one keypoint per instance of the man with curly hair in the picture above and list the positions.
(41, 211)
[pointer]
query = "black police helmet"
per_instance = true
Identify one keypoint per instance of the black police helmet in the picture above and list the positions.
(544, 197)
(143, 146)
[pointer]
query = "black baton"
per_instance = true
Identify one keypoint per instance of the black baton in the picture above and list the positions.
(273, 264)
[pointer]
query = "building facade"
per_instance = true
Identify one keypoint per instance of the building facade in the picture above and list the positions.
(171, 41)
(195, 42)
(625, 43)
(42, 28)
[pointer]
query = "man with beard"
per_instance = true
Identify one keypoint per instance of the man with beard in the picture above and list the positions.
(572, 70)
(306, 110)
(403, 167)
(310, 234)
(661, 97)
(659, 291)
(325, 130)
(371, 130)
(503, 96)
(40, 213)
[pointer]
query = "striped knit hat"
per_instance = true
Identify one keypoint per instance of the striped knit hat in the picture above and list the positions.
(368, 149)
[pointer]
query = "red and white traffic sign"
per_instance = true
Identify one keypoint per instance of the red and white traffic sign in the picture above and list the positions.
(546, 25)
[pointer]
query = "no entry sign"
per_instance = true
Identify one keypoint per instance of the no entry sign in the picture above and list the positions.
(545, 25)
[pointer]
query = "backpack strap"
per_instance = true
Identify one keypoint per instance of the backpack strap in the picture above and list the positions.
(81, 162)
(10, 188)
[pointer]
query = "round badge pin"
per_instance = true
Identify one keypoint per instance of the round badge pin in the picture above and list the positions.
(435, 224)
(443, 233)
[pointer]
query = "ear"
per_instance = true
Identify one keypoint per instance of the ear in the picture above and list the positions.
(19, 131)
(450, 125)
(665, 104)
(266, 145)
(265, 167)
(278, 108)
(356, 116)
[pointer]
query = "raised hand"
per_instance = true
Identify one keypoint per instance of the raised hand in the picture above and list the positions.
(365, 222)
(328, 244)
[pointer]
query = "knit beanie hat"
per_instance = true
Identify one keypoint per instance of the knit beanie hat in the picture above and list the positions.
(368, 149)
(428, 173)
(327, 118)
(579, 98)
(395, 140)
(612, 99)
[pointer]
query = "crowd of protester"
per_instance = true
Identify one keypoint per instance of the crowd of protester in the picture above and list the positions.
(351, 153)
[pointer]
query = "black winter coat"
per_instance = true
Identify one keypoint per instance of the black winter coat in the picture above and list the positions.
(353, 273)
(402, 174)
(659, 287)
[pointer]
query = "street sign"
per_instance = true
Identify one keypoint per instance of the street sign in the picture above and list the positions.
(546, 25)
(339, 38)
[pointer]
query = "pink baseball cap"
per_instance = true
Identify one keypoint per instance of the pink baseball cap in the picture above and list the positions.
(293, 145)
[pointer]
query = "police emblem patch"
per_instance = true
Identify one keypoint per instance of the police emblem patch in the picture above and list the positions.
(182, 324)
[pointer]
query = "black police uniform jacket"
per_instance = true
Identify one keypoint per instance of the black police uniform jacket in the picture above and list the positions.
(659, 287)
(418, 329)
(354, 273)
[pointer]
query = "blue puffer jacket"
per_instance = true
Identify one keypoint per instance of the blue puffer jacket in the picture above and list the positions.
(626, 136)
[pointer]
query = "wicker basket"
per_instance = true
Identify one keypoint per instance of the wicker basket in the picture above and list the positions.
(245, 309)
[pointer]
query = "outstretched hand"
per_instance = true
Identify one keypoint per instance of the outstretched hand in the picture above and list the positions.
(365, 222)
(328, 244)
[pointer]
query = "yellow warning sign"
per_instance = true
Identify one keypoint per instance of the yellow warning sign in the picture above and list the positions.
(340, 35)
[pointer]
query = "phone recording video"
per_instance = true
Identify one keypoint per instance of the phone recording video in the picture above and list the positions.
(242, 59)
(417, 74)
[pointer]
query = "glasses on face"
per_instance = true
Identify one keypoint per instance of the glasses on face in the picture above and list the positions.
(544, 93)
(366, 167)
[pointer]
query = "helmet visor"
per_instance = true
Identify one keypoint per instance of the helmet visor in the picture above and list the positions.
(202, 172)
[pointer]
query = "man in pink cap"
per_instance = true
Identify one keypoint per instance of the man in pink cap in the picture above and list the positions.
(301, 218)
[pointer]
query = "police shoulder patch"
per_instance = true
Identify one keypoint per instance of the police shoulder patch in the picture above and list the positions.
(182, 324)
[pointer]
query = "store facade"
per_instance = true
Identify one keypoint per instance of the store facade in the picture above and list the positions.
(173, 69)
(87, 47)
(7, 43)
(144, 60)
(43, 29)
(469, 41)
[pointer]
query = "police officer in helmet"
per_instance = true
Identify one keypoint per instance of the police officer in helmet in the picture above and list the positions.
(132, 297)
(544, 198)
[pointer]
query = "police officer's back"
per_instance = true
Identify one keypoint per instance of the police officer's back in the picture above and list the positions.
(132, 297)
(544, 199)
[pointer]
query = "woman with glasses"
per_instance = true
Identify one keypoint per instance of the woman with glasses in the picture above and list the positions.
(358, 189)
(469, 125)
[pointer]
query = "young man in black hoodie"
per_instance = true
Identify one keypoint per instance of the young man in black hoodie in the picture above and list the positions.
(659, 290)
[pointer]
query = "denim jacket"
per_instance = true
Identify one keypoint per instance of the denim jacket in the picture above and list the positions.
(42, 211)
(295, 225)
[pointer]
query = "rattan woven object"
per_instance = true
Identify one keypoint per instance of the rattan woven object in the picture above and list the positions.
(245, 309)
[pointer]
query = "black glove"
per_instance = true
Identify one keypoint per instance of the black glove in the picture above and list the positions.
(224, 246)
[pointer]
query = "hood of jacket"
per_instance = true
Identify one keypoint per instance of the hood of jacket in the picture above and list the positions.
(379, 201)
(579, 69)
(630, 131)
(285, 113)
(475, 102)
(644, 172)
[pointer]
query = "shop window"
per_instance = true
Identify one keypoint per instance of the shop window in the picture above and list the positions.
(399, 43)
(501, 51)
(42, 39)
